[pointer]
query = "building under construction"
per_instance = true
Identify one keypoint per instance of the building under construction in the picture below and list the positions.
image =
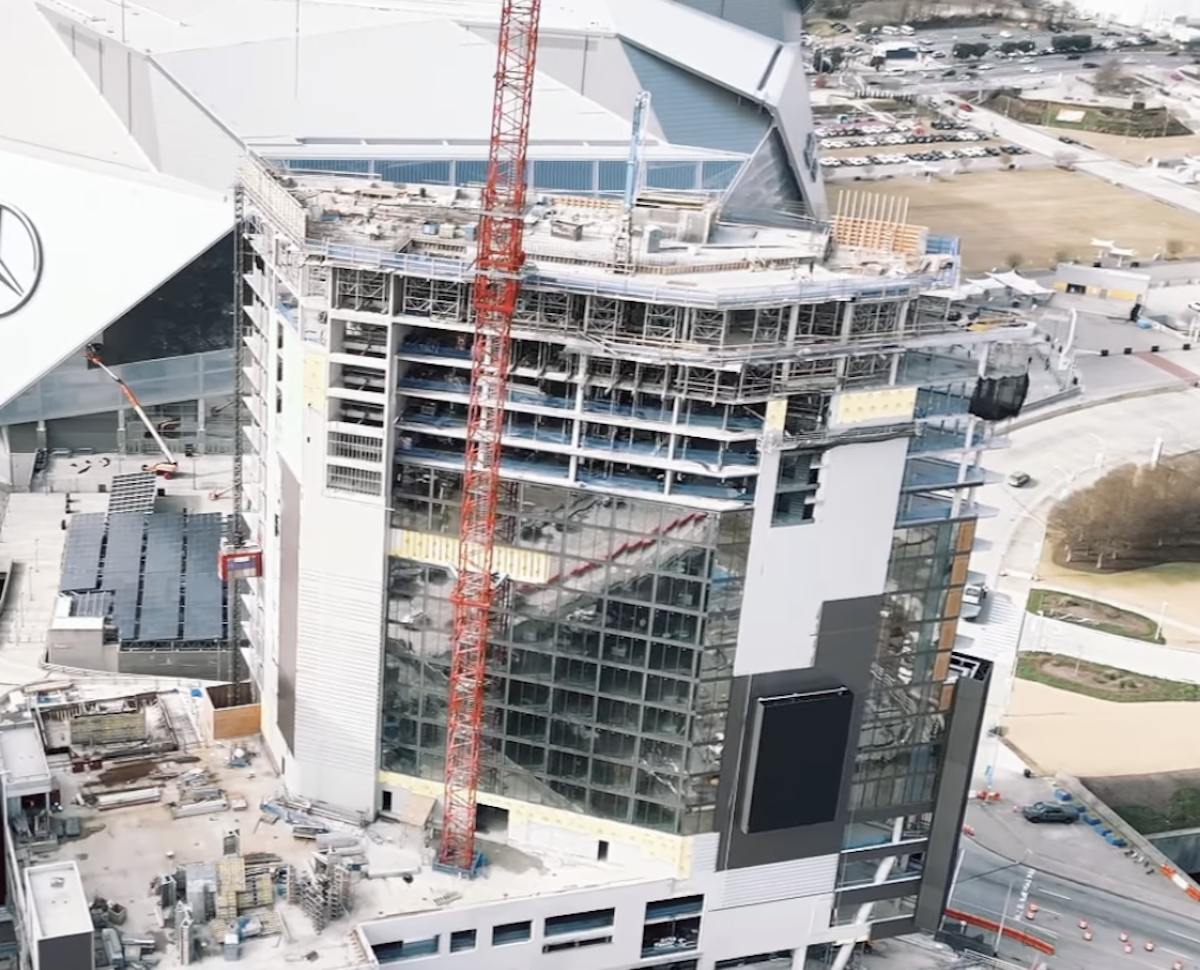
(735, 522)
(743, 433)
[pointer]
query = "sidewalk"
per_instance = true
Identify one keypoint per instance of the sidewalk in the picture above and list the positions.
(1190, 642)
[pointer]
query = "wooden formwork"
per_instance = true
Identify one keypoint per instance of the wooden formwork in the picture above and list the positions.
(878, 223)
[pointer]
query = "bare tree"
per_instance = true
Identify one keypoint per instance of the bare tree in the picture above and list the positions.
(1062, 256)
(1175, 248)
(1133, 516)
(1109, 77)
(1014, 260)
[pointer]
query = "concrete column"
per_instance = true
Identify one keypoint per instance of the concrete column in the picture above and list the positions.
(201, 426)
(847, 319)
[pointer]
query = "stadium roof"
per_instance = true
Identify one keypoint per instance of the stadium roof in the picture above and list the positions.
(125, 122)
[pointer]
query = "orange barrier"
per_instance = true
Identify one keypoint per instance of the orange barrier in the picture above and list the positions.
(1026, 939)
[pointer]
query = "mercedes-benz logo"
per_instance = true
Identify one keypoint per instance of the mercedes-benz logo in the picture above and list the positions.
(20, 259)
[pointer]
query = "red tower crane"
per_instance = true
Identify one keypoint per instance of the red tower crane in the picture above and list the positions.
(497, 286)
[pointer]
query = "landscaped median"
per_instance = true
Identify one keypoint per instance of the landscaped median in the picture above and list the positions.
(1103, 683)
(1093, 614)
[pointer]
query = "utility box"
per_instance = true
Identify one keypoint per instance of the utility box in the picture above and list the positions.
(60, 920)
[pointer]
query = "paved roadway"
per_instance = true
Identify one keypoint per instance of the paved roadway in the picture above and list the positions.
(989, 885)
(1072, 874)
(1060, 453)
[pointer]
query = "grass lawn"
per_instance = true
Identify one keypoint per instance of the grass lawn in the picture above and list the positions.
(1100, 682)
(1039, 214)
(1094, 614)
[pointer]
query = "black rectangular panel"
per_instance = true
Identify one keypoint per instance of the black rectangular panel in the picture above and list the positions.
(798, 753)
(847, 639)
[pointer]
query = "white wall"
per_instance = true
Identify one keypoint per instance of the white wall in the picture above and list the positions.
(746, 912)
(842, 554)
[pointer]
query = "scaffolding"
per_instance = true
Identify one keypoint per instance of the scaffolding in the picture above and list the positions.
(324, 893)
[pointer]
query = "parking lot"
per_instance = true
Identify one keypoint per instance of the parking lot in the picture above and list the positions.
(843, 144)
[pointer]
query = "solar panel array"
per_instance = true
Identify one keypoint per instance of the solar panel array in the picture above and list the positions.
(154, 567)
(81, 559)
(204, 593)
(161, 577)
(123, 568)
(133, 492)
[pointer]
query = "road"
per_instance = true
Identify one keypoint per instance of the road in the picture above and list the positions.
(990, 885)
(1059, 454)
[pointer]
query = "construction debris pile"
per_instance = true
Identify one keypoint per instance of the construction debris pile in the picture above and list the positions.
(113, 947)
(234, 898)
(324, 891)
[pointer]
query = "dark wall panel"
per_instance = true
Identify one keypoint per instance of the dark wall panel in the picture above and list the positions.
(67, 953)
(792, 782)
(289, 584)
(847, 639)
(962, 741)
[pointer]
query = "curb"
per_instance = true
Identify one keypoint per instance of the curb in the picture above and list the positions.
(1016, 424)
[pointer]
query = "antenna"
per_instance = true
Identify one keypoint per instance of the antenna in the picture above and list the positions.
(623, 247)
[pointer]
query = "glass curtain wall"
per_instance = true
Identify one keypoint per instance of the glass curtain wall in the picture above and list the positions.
(900, 744)
(610, 683)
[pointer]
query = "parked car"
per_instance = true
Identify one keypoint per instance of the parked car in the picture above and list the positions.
(1019, 479)
(1050, 812)
(972, 601)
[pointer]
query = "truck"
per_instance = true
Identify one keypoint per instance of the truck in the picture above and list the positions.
(972, 601)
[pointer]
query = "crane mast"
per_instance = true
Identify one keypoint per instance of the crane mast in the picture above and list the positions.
(623, 243)
(497, 286)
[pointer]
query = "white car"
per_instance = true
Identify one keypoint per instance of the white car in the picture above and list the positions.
(1194, 306)
(1033, 69)
(972, 601)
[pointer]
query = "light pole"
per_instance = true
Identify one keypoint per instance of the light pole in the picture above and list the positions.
(1162, 616)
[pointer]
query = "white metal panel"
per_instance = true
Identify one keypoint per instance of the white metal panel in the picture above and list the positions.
(171, 25)
(842, 554)
(773, 883)
(48, 99)
(108, 237)
(185, 142)
(765, 927)
(625, 950)
(725, 53)
(332, 97)
(340, 652)
(704, 853)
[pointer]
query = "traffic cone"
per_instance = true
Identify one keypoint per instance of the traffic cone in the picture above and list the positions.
(1128, 947)
(1033, 907)
(1178, 965)
(1083, 924)
(1149, 946)
(1124, 937)
(968, 830)
(1087, 934)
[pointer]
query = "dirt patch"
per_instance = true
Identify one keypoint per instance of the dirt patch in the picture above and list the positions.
(1094, 614)
(1100, 682)
(1044, 215)
(1067, 731)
